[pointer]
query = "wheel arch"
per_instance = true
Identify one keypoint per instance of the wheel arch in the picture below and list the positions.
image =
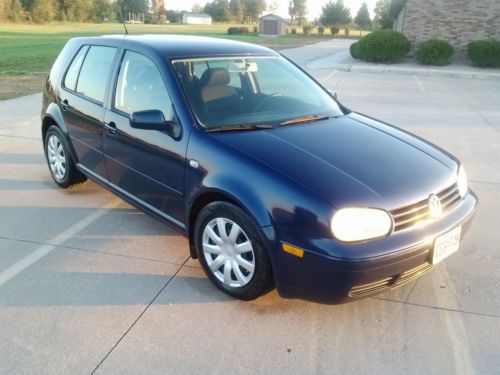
(53, 116)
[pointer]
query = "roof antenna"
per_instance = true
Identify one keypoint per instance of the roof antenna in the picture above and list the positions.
(125, 27)
(123, 22)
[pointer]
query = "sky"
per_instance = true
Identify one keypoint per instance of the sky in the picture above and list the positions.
(313, 6)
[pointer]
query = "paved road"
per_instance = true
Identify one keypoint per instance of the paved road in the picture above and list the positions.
(89, 283)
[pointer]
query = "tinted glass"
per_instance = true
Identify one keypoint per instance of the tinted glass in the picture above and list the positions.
(251, 90)
(140, 87)
(74, 69)
(200, 67)
(95, 72)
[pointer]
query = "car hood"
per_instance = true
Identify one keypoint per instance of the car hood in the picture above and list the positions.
(350, 160)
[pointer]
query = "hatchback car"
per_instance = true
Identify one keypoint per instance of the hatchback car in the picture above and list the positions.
(274, 182)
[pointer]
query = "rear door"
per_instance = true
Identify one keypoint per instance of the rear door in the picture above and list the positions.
(81, 101)
(146, 166)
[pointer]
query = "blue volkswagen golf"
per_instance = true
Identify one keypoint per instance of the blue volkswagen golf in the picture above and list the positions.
(274, 182)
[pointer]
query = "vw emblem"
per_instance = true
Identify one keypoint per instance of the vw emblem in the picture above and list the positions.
(434, 204)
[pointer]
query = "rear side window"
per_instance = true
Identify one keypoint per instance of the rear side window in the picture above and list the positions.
(74, 69)
(95, 71)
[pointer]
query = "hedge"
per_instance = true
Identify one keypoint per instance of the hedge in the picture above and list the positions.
(484, 52)
(238, 30)
(435, 52)
(383, 46)
(354, 50)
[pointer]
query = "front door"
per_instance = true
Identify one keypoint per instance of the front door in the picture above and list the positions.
(81, 103)
(146, 166)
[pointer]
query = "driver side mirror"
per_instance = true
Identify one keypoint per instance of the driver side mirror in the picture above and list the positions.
(153, 119)
(333, 93)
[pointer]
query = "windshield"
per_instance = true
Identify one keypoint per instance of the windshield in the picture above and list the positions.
(225, 92)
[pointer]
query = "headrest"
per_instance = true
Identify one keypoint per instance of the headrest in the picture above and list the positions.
(215, 77)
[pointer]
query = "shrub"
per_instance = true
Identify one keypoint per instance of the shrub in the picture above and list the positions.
(383, 46)
(354, 50)
(307, 30)
(347, 31)
(238, 30)
(321, 30)
(435, 52)
(334, 30)
(255, 29)
(484, 52)
(294, 30)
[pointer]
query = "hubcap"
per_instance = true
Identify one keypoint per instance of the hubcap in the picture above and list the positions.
(228, 252)
(57, 157)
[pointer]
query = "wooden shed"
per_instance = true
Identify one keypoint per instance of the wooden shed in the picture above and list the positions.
(272, 25)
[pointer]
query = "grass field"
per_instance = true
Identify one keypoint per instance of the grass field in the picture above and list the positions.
(28, 50)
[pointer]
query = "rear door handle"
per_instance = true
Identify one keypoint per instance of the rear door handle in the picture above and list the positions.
(111, 127)
(65, 104)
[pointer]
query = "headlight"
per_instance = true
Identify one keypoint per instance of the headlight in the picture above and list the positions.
(462, 182)
(357, 224)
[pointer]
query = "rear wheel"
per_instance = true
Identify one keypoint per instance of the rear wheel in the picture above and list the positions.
(231, 251)
(60, 163)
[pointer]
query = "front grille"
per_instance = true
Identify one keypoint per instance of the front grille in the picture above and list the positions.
(407, 216)
(389, 282)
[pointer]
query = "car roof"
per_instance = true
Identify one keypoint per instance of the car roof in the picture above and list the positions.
(176, 46)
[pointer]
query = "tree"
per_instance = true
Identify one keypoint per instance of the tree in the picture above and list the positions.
(382, 14)
(291, 12)
(174, 16)
(237, 10)
(219, 10)
(130, 6)
(273, 6)
(335, 14)
(197, 8)
(14, 10)
(43, 11)
(103, 10)
(253, 8)
(300, 10)
(2, 10)
(362, 19)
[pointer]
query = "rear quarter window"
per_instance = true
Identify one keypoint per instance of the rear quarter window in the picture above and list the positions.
(74, 69)
(90, 77)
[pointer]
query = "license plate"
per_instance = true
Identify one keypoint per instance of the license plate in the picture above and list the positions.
(446, 245)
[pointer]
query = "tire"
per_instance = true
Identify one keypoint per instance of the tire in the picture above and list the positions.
(59, 160)
(236, 262)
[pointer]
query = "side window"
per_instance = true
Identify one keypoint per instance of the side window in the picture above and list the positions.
(95, 72)
(74, 69)
(140, 87)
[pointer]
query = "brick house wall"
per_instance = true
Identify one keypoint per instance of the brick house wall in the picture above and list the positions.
(457, 21)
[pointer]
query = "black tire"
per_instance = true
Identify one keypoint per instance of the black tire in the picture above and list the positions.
(261, 281)
(71, 176)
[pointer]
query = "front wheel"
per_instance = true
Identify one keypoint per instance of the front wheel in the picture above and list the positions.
(231, 251)
(59, 160)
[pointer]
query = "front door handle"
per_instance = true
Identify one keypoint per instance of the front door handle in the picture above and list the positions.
(65, 104)
(111, 127)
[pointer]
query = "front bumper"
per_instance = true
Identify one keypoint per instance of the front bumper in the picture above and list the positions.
(319, 276)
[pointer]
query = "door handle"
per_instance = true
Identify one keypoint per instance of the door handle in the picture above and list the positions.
(65, 104)
(111, 127)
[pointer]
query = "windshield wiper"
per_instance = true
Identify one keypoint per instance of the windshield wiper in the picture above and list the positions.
(300, 120)
(239, 127)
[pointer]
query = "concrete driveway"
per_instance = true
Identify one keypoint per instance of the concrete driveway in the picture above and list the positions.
(88, 283)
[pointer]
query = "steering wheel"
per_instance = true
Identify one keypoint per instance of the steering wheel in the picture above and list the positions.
(266, 99)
